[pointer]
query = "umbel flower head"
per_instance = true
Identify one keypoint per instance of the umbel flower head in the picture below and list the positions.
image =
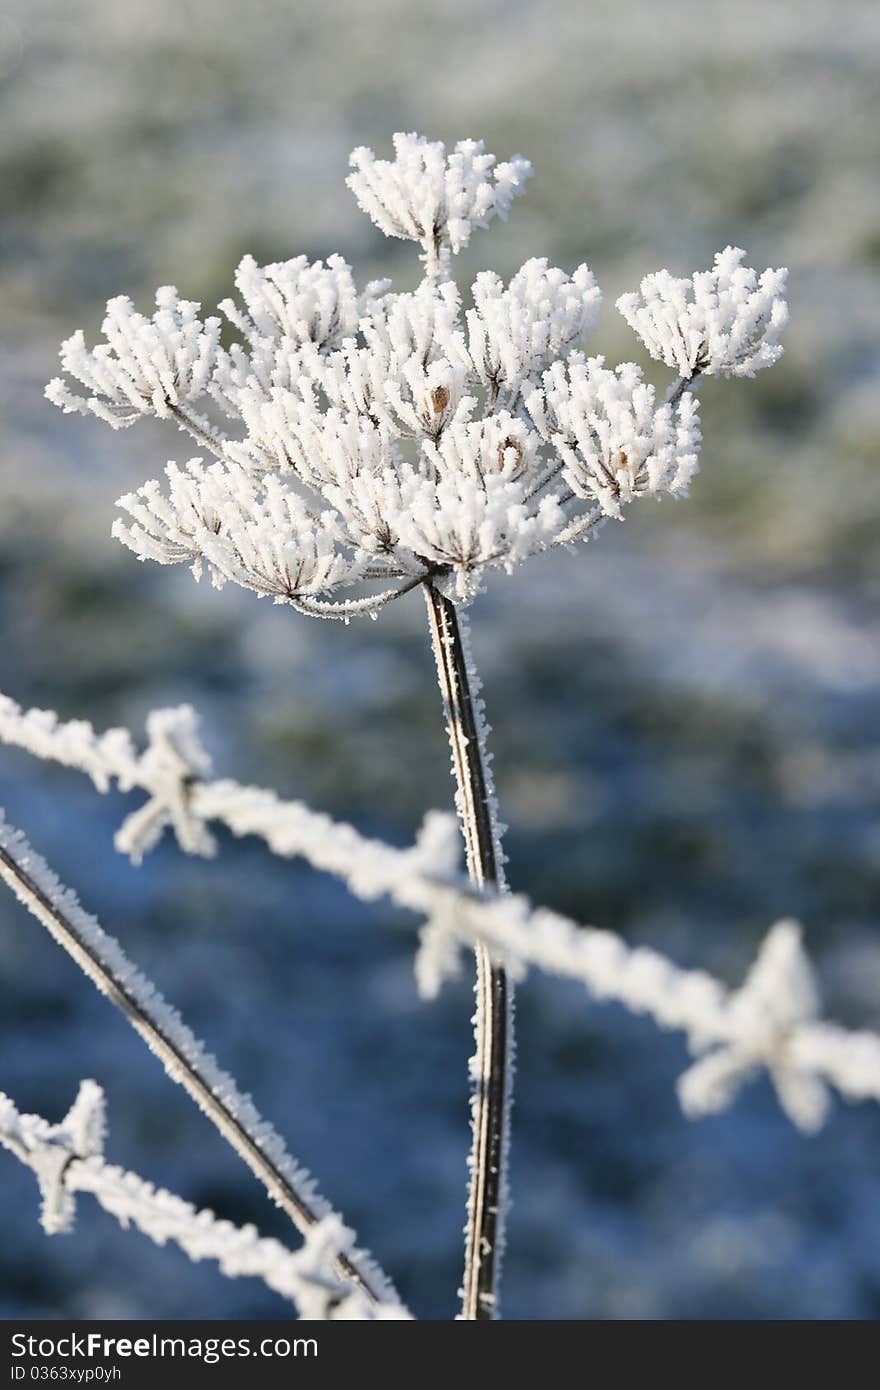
(145, 367)
(435, 199)
(378, 438)
(722, 322)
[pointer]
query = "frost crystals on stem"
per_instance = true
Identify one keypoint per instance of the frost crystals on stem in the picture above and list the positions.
(186, 1061)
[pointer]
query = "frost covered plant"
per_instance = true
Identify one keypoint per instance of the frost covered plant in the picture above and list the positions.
(726, 321)
(435, 199)
(146, 366)
(418, 439)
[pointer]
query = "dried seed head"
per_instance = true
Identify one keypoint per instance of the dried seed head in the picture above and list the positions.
(511, 445)
(440, 399)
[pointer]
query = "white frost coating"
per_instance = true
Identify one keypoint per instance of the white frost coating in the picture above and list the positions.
(771, 1022)
(293, 310)
(106, 757)
(614, 442)
(383, 438)
(147, 366)
(491, 1065)
(484, 729)
(778, 996)
(467, 521)
(513, 331)
(721, 322)
(435, 199)
(67, 1158)
(752, 1028)
(368, 867)
(184, 1058)
(173, 759)
(50, 1149)
(171, 762)
(296, 301)
(260, 535)
(482, 1015)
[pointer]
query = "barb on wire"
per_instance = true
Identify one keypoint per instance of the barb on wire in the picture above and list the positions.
(68, 1158)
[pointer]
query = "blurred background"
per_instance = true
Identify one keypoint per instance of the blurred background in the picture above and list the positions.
(686, 714)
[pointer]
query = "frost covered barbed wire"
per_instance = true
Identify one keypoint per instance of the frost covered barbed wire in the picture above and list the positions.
(173, 758)
(772, 1022)
(185, 1059)
(68, 1158)
(379, 435)
(172, 770)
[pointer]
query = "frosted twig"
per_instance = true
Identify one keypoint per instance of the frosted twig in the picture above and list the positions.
(68, 1158)
(200, 430)
(185, 1060)
(492, 1063)
(345, 610)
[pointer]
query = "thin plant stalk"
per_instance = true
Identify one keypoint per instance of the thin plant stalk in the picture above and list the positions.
(304, 1209)
(493, 1016)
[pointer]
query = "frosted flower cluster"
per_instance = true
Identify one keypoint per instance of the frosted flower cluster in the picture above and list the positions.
(435, 199)
(379, 438)
(612, 440)
(722, 322)
(145, 367)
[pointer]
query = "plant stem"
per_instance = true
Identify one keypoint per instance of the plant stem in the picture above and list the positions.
(493, 1018)
(192, 426)
(296, 1199)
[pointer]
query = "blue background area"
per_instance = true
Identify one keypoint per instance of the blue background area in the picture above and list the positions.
(685, 715)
